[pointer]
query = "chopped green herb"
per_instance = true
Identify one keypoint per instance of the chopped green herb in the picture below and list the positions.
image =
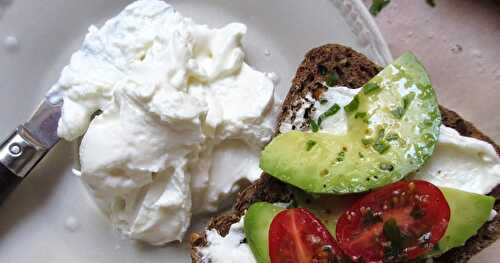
(330, 112)
(341, 156)
(398, 112)
(323, 101)
(397, 239)
(426, 124)
(370, 88)
(381, 147)
(431, 3)
(366, 141)
(428, 139)
(359, 115)
(322, 70)
(386, 167)
(314, 126)
(392, 136)
(392, 231)
(310, 144)
(407, 99)
(378, 5)
(331, 79)
(380, 134)
(353, 105)
(361, 155)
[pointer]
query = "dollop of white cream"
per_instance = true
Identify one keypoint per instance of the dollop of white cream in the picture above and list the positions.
(183, 118)
(230, 248)
(341, 96)
(462, 163)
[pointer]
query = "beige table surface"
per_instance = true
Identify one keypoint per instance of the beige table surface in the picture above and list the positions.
(459, 43)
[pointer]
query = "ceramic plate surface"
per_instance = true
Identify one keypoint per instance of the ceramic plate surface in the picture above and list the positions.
(51, 218)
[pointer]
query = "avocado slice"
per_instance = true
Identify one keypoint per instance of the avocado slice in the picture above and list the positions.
(393, 125)
(256, 225)
(469, 211)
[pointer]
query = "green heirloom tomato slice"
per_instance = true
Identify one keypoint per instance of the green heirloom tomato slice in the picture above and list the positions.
(395, 135)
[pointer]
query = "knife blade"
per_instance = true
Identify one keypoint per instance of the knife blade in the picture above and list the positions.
(42, 125)
(29, 143)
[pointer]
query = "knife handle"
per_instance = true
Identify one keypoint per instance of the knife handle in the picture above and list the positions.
(8, 182)
(19, 154)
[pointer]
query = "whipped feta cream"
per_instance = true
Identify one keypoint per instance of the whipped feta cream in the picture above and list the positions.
(172, 118)
(462, 163)
(459, 162)
(230, 248)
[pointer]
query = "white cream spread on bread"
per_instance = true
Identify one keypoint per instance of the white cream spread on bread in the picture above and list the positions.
(230, 248)
(462, 163)
(183, 119)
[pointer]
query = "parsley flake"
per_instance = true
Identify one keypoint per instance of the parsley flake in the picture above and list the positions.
(398, 112)
(330, 112)
(353, 105)
(314, 126)
(310, 144)
(360, 115)
(378, 5)
(370, 88)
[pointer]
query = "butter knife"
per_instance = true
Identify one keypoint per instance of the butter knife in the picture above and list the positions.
(29, 143)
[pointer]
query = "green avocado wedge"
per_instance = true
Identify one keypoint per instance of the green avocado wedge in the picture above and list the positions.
(469, 212)
(256, 225)
(393, 125)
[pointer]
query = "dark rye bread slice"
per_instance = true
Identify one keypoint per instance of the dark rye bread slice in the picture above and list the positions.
(354, 70)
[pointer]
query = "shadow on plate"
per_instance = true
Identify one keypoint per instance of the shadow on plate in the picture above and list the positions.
(36, 190)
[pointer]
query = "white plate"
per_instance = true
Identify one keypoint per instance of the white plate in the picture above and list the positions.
(51, 218)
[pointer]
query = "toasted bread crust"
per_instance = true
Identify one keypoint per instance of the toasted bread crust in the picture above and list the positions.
(354, 70)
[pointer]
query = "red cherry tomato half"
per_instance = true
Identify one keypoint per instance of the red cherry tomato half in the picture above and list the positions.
(297, 236)
(399, 221)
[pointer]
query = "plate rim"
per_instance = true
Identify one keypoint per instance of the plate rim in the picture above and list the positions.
(366, 30)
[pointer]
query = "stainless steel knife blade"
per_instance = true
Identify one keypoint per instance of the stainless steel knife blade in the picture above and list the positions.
(42, 125)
